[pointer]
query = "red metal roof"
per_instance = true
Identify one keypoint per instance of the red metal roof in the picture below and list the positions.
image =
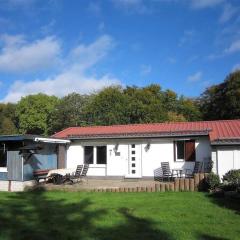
(222, 129)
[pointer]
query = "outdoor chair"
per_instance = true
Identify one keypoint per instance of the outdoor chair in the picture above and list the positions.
(167, 173)
(207, 167)
(197, 169)
(158, 174)
(79, 175)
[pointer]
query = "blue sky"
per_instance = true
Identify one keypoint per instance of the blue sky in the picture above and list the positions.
(59, 46)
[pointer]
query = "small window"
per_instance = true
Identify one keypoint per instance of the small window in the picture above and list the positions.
(3, 158)
(185, 150)
(180, 150)
(133, 165)
(101, 155)
(133, 152)
(133, 145)
(133, 171)
(88, 154)
(133, 158)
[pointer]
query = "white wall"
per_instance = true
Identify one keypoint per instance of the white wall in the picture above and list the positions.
(228, 158)
(74, 155)
(161, 150)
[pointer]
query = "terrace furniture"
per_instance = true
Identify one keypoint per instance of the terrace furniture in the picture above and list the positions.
(80, 174)
(41, 174)
(178, 171)
(167, 173)
(197, 169)
(158, 174)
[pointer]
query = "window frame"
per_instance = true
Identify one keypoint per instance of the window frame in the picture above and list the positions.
(95, 164)
(176, 150)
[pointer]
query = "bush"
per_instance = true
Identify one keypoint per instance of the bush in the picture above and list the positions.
(232, 177)
(212, 181)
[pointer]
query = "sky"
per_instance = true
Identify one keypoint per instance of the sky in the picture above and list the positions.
(60, 46)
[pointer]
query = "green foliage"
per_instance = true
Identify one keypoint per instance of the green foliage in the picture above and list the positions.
(33, 113)
(212, 181)
(232, 177)
(107, 107)
(222, 101)
(68, 112)
(8, 119)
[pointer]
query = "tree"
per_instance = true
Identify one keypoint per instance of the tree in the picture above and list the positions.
(8, 119)
(33, 112)
(145, 105)
(107, 107)
(69, 112)
(222, 101)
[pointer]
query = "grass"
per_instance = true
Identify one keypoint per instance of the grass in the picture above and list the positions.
(117, 216)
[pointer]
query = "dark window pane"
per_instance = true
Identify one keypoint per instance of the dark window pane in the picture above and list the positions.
(133, 158)
(133, 165)
(133, 152)
(101, 155)
(133, 171)
(133, 145)
(3, 159)
(88, 155)
(180, 149)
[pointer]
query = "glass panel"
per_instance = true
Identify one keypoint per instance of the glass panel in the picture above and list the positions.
(133, 165)
(133, 171)
(133, 145)
(88, 155)
(180, 149)
(133, 152)
(101, 155)
(133, 158)
(3, 158)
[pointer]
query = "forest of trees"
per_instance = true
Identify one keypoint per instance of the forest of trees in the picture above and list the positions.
(43, 114)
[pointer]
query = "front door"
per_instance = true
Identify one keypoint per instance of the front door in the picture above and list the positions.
(134, 161)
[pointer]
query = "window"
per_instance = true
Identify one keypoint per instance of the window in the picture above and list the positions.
(95, 154)
(88, 154)
(185, 150)
(133, 152)
(133, 145)
(101, 155)
(3, 158)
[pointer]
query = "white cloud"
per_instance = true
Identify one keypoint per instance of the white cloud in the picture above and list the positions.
(132, 6)
(146, 69)
(200, 4)
(74, 77)
(195, 77)
(228, 12)
(17, 55)
(234, 47)
(236, 67)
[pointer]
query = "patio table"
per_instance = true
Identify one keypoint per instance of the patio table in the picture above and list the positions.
(178, 171)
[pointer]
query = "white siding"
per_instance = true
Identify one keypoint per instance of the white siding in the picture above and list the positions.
(74, 155)
(227, 158)
(160, 150)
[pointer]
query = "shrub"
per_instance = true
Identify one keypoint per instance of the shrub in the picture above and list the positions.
(232, 177)
(212, 181)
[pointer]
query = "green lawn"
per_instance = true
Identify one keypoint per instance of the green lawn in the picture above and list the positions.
(117, 216)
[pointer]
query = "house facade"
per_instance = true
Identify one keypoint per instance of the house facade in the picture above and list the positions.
(136, 151)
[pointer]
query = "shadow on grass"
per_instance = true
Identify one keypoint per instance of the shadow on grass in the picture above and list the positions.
(32, 215)
(208, 237)
(226, 202)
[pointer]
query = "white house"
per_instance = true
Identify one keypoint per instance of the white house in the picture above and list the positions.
(137, 150)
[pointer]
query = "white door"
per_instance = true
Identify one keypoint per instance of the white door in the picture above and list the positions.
(134, 161)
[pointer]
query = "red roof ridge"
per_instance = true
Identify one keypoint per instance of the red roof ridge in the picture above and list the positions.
(156, 123)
